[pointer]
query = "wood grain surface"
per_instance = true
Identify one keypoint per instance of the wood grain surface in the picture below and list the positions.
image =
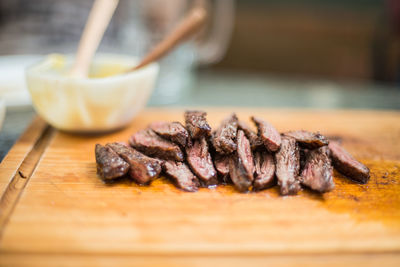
(65, 215)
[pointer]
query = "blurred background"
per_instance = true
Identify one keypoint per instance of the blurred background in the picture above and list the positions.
(343, 39)
(338, 40)
(270, 53)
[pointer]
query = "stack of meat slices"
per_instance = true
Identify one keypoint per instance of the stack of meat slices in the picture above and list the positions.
(193, 156)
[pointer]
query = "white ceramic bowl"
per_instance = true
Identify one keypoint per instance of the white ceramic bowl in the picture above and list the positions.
(2, 111)
(90, 104)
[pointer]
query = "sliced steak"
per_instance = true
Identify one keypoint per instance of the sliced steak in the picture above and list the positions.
(269, 135)
(224, 139)
(143, 169)
(196, 124)
(200, 161)
(317, 172)
(221, 163)
(109, 164)
(346, 164)
(264, 170)
(173, 131)
(150, 144)
(181, 175)
(254, 139)
(308, 139)
(241, 164)
(287, 161)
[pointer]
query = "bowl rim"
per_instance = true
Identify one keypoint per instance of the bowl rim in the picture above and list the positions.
(31, 71)
(2, 112)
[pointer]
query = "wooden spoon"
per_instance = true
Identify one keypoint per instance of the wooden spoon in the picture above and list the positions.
(187, 27)
(99, 18)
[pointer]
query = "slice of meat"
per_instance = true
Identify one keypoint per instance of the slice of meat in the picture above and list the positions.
(264, 166)
(268, 133)
(143, 169)
(308, 139)
(224, 139)
(150, 144)
(181, 175)
(287, 161)
(244, 153)
(317, 172)
(346, 164)
(109, 164)
(241, 164)
(200, 161)
(239, 177)
(196, 124)
(254, 139)
(173, 131)
(221, 163)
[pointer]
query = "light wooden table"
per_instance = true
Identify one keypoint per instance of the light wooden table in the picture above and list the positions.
(55, 211)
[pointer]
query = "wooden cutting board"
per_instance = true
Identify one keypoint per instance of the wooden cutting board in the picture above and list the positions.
(54, 210)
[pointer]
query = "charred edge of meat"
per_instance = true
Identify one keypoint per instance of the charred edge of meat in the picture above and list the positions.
(143, 169)
(317, 172)
(172, 131)
(181, 176)
(255, 141)
(221, 163)
(109, 165)
(150, 144)
(303, 157)
(200, 161)
(308, 139)
(225, 180)
(196, 124)
(241, 165)
(287, 161)
(264, 166)
(211, 147)
(224, 139)
(347, 165)
(268, 133)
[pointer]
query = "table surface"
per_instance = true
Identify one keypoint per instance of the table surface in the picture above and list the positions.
(54, 210)
(217, 88)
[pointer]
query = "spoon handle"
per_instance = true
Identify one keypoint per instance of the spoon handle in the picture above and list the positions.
(98, 20)
(188, 26)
